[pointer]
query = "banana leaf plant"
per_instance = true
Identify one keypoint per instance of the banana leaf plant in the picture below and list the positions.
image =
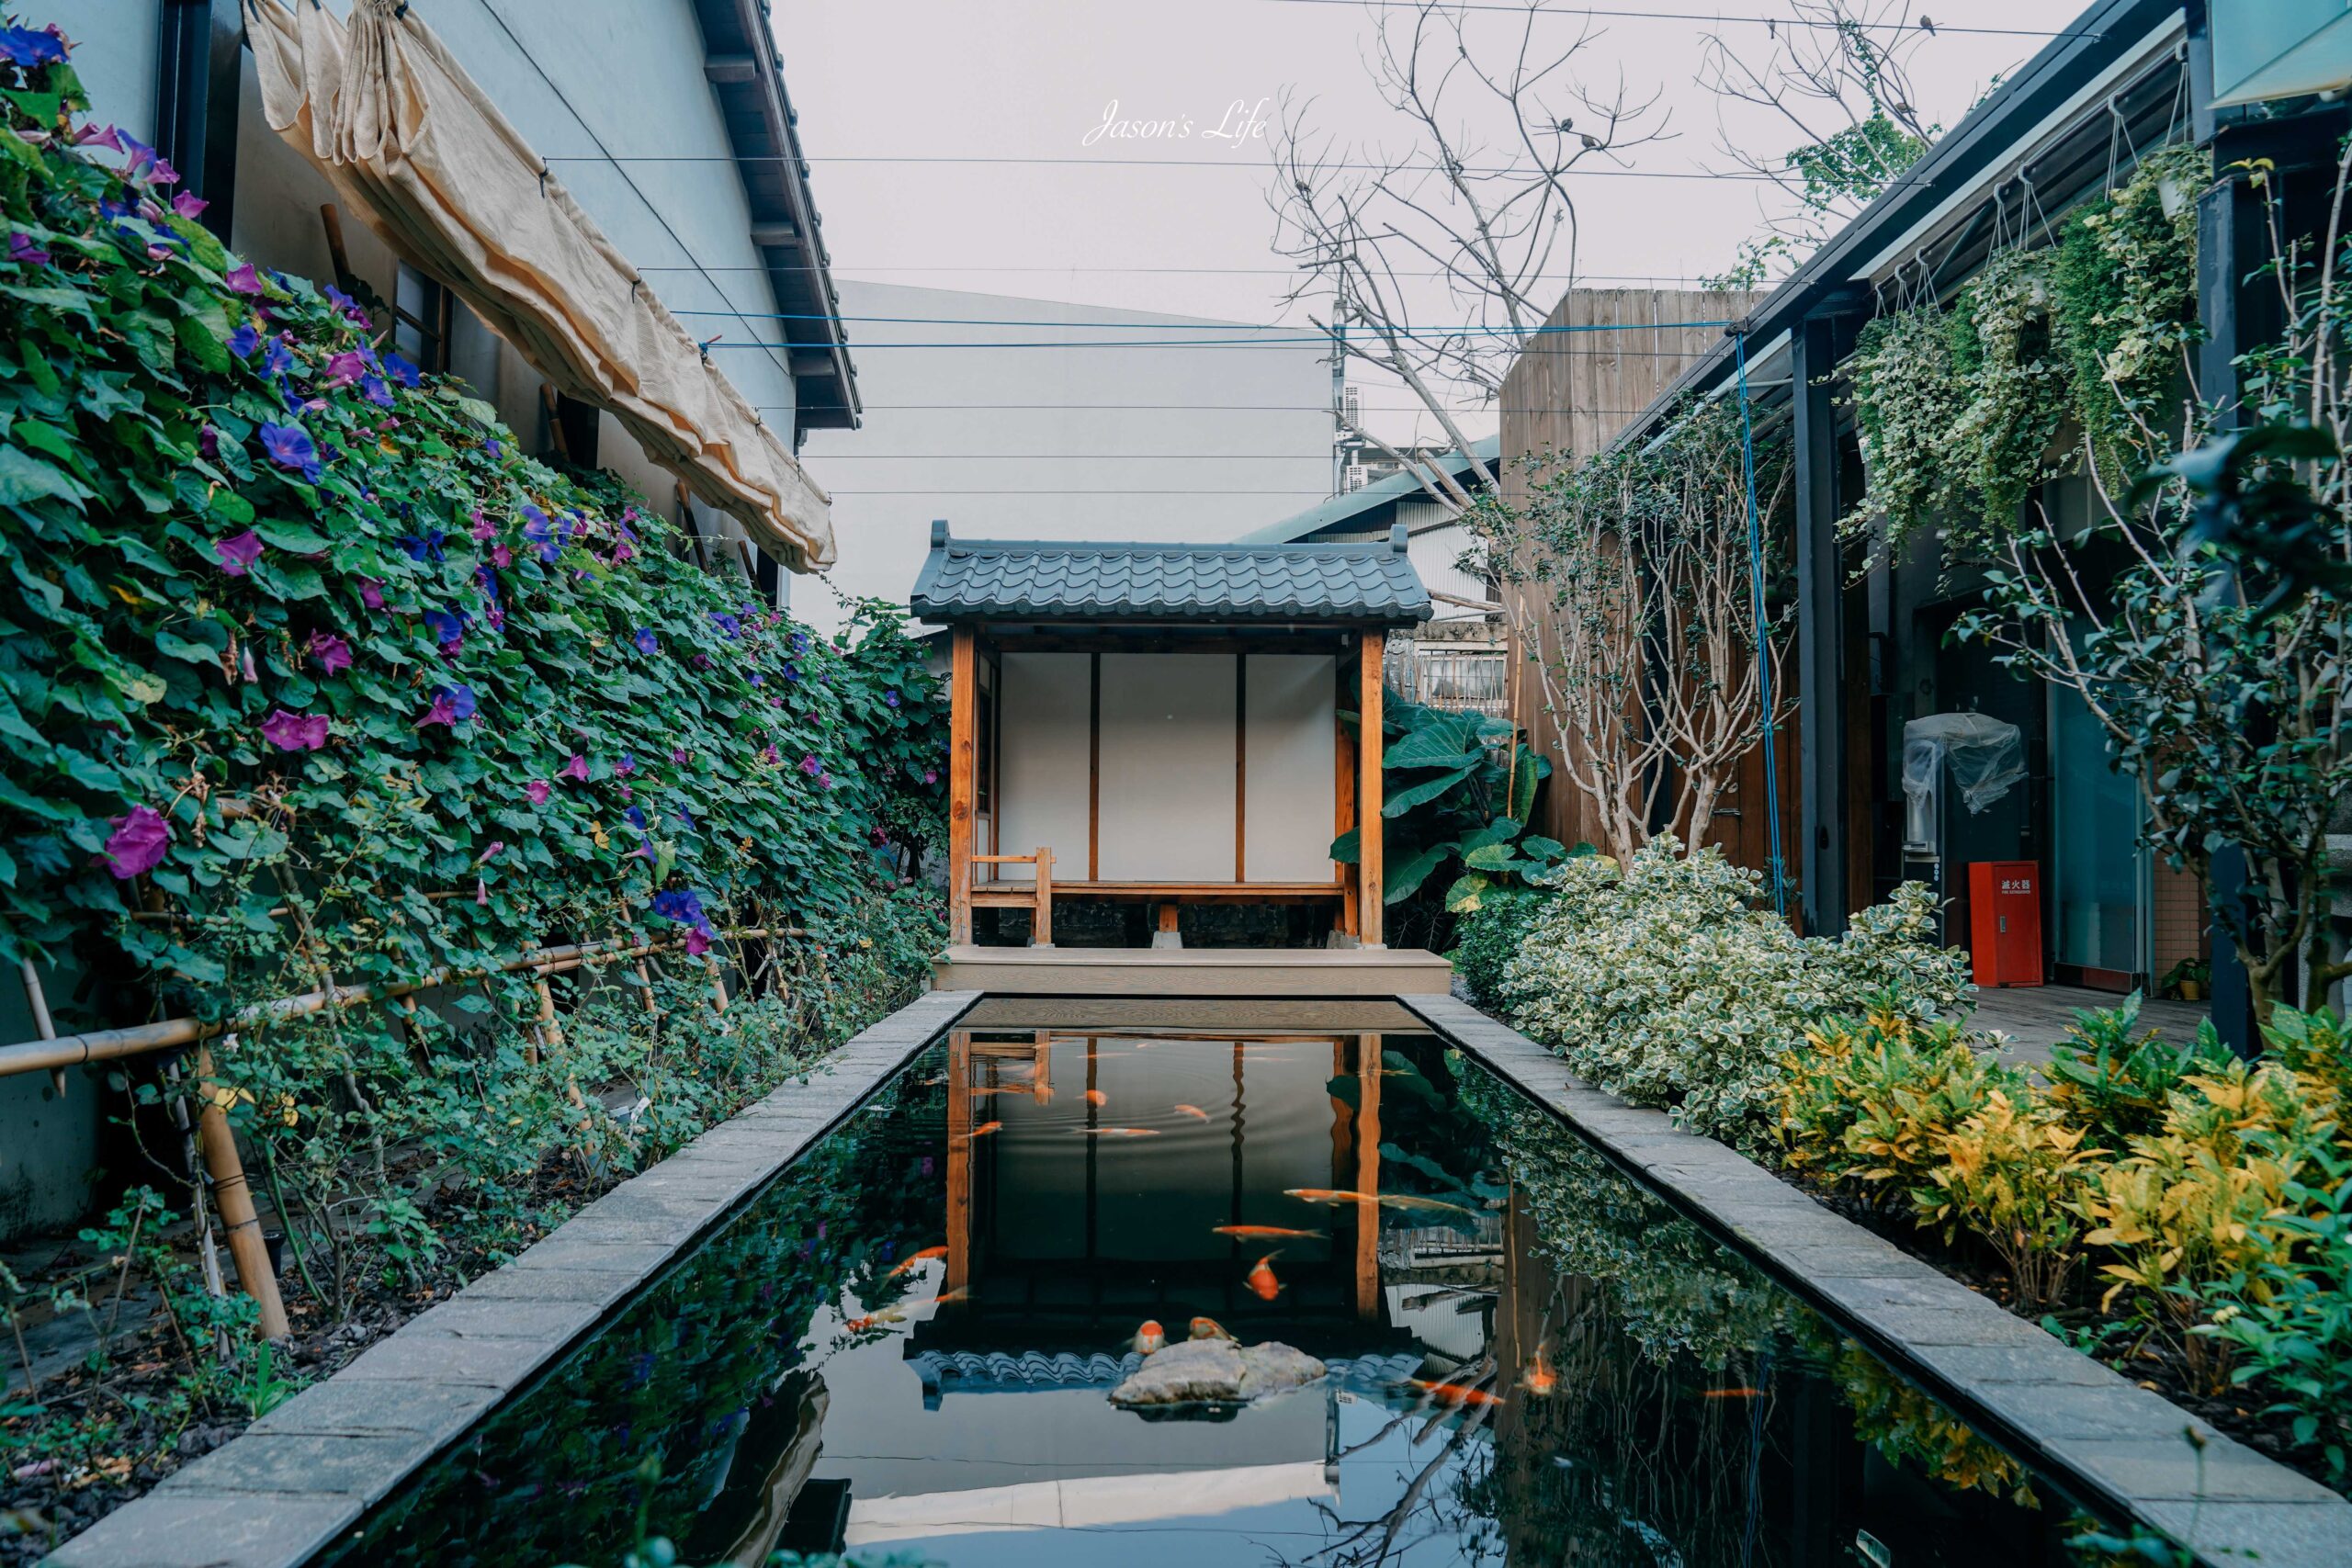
(1445, 779)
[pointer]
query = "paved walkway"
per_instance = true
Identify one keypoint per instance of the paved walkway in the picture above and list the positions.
(2037, 1017)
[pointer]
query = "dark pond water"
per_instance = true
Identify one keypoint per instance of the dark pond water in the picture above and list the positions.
(1638, 1393)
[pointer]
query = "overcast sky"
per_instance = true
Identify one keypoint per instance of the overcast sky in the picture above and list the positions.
(1028, 79)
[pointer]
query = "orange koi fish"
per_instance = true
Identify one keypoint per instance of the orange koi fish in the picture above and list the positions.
(1208, 1329)
(984, 1129)
(1385, 1200)
(913, 1258)
(1096, 1096)
(1327, 1195)
(1730, 1392)
(1266, 1233)
(999, 1088)
(1455, 1395)
(875, 1320)
(1118, 1131)
(1261, 1282)
(1193, 1111)
(948, 1298)
(1539, 1379)
(1149, 1337)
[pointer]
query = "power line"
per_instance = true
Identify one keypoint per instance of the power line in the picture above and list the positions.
(960, 160)
(1168, 271)
(1923, 26)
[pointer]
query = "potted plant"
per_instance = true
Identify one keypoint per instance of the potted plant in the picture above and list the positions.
(2190, 980)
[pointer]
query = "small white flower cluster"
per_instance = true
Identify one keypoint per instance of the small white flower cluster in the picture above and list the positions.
(1665, 983)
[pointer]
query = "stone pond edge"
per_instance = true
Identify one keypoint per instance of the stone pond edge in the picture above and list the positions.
(2084, 1424)
(296, 1480)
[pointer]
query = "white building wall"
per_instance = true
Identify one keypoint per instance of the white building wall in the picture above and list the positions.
(994, 439)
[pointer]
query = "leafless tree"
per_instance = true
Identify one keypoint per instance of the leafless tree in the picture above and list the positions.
(1478, 192)
(1834, 75)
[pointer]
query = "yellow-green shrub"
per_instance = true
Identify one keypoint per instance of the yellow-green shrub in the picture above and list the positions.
(1869, 1106)
(2014, 1175)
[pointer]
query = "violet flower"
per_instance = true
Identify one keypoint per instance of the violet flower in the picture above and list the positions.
(238, 552)
(138, 842)
(890, 699)
(575, 769)
(244, 279)
(278, 361)
(290, 447)
(646, 641)
(371, 592)
(331, 653)
(452, 706)
(448, 630)
(373, 389)
(625, 766)
(207, 444)
(809, 764)
(538, 790)
(402, 371)
(539, 530)
(678, 755)
(344, 368)
(483, 528)
(189, 205)
(30, 47)
(245, 339)
(22, 249)
(295, 731)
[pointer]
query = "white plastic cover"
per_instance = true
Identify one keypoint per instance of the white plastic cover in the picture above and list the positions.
(1987, 758)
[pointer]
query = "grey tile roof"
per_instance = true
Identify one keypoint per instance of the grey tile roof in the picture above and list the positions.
(1079, 581)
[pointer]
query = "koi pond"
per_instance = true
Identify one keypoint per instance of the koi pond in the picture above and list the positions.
(903, 1346)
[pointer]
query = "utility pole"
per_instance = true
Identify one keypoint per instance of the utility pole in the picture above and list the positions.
(1339, 401)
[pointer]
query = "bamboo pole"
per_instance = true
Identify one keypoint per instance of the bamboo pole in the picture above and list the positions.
(38, 1000)
(111, 1045)
(232, 1196)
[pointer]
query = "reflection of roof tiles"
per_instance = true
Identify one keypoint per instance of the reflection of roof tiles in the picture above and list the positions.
(998, 1371)
(996, 579)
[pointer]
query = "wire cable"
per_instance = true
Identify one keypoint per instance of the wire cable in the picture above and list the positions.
(962, 160)
(1924, 27)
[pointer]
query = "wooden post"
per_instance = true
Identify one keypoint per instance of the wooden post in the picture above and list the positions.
(959, 1160)
(1041, 926)
(1369, 744)
(234, 1200)
(963, 706)
(38, 1000)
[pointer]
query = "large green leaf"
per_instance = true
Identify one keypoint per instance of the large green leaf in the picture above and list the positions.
(1447, 741)
(1404, 800)
(1466, 892)
(1403, 881)
(1348, 848)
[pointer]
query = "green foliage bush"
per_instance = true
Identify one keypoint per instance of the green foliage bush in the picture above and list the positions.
(315, 678)
(1488, 936)
(1664, 982)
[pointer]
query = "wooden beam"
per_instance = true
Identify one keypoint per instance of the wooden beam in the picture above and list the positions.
(1241, 766)
(730, 69)
(963, 703)
(1369, 746)
(1367, 1181)
(1094, 768)
(959, 1160)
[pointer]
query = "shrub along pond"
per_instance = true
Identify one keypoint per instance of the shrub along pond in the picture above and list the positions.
(906, 1343)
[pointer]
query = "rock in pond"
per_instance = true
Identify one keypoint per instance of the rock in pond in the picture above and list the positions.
(1216, 1372)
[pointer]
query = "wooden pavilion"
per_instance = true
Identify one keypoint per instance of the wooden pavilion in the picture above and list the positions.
(1161, 724)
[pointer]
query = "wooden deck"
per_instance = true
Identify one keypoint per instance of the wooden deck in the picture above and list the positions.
(2036, 1017)
(1193, 971)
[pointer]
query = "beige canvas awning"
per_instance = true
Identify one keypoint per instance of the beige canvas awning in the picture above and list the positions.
(412, 145)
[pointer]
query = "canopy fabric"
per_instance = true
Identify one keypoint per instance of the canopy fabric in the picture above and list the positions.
(394, 122)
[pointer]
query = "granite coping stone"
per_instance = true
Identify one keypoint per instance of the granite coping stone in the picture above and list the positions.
(2083, 1422)
(324, 1455)
(188, 1530)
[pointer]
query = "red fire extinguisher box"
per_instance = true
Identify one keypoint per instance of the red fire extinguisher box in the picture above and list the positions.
(2004, 922)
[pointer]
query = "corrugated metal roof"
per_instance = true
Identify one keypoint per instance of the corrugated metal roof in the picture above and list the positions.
(1076, 579)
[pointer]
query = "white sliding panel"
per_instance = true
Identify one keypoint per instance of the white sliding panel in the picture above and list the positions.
(1168, 754)
(1042, 761)
(1288, 803)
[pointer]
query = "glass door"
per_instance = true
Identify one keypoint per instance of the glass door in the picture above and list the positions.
(2099, 883)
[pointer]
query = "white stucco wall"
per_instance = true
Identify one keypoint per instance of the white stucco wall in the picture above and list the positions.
(991, 436)
(1290, 751)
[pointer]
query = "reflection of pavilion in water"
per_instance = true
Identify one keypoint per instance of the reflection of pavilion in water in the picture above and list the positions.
(1090, 1206)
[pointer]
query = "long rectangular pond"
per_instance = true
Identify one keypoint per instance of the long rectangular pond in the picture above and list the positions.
(905, 1344)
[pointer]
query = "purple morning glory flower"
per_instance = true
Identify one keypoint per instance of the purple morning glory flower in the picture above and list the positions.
(809, 765)
(238, 552)
(758, 679)
(371, 592)
(245, 339)
(344, 368)
(575, 769)
(402, 371)
(138, 842)
(427, 549)
(290, 447)
(452, 706)
(331, 653)
(646, 641)
(189, 205)
(22, 249)
(683, 906)
(931, 775)
(539, 531)
(295, 731)
(448, 629)
(678, 755)
(207, 444)
(636, 816)
(625, 766)
(350, 308)
(280, 359)
(373, 389)
(244, 279)
(685, 817)
(726, 623)
(493, 447)
(799, 642)
(792, 672)
(98, 136)
(890, 699)
(30, 47)
(538, 790)
(483, 528)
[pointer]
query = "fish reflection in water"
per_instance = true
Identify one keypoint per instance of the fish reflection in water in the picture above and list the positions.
(1096, 1096)
(984, 1129)
(1193, 1111)
(913, 1260)
(1117, 1132)
(1402, 1203)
